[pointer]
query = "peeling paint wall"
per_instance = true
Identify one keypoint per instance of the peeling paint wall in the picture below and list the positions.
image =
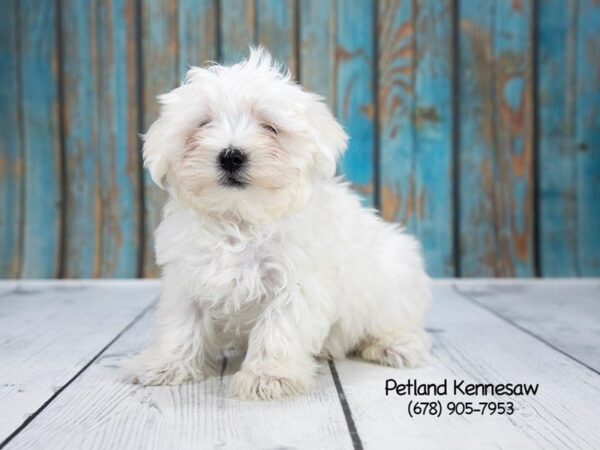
(474, 123)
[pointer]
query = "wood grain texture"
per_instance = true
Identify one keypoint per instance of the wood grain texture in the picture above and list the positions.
(83, 190)
(197, 28)
(496, 136)
(11, 158)
(276, 30)
(101, 410)
(42, 169)
(556, 146)
(396, 93)
(565, 313)
(433, 123)
(415, 113)
(355, 97)
(238, 29)
(560, 415)
(8, 286)
(160, 74)
(101, 144)
(317, 44)
(587, 136)
(74, 98)
(569, 125)
(50, 330)
(119, 155)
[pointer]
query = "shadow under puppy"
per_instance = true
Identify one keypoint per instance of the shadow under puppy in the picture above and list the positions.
(262, 248)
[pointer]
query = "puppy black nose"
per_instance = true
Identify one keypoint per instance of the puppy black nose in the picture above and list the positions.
(232, 159)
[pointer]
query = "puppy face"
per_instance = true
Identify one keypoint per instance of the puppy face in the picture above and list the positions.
(242, 142)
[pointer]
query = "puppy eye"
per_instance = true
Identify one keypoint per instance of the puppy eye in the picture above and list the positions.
(204, 123)
(269, 128)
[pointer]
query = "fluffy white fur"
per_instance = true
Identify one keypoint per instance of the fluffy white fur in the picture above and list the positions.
(288, 266)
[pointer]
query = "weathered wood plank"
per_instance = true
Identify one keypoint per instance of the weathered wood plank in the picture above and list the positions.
(42, 169)
(564, 313)
(396, 93)
(336, 46)
(118, 143)
(197, 28)
(50, 330)
(587, 136)
(336, 61)
(433, 122)
(100, 410)
(7, 286)
(101, 145)
(415, 113)
(556, 146)
(276, 30)
(355, 97)
(83, 190)
(238, 30)
(473, 344)
(160, 74)
(11, 163)
(496, 136)
(569, 163)
(317, 43)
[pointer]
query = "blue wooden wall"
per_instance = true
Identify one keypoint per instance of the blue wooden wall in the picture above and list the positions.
(476, 123)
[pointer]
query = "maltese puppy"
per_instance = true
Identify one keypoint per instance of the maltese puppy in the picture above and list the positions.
(262, 248)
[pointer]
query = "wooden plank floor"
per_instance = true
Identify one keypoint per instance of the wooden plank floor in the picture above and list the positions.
(62, 343)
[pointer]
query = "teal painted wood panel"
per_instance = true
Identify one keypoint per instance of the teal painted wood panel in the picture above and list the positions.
(238, 29)
(276, 30)
(317, 44)
(569, 132)
(42, 171)
(386, 68)
(496, 137)
(433, 123)
(397, 72)
(415, 113)
(101, 147)
(83, 202)
(587, 136)
(11, 159)
(197, 29)
(355, 97)
(556, 148)
(160, 74)
(119, 146)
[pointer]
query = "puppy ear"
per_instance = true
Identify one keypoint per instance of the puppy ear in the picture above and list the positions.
(154, 159)
(331, 138)
(156, 143)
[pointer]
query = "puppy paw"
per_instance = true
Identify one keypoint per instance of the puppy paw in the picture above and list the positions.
(248, 385)
(152, 371)
(410, 349)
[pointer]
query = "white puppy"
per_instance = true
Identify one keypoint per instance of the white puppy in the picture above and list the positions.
(262, 248)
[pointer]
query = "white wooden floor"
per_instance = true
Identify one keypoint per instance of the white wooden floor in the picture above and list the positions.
(61, 345)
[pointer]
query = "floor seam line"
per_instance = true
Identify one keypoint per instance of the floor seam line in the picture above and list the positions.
(485, 307)
(354, 436)
(47, 403)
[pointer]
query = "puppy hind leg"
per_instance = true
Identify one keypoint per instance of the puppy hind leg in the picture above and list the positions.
(396, 335)
(335, 346)
(398, 349)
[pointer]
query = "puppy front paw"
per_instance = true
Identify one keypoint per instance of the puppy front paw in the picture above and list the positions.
(150, 370)
(249, 385)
